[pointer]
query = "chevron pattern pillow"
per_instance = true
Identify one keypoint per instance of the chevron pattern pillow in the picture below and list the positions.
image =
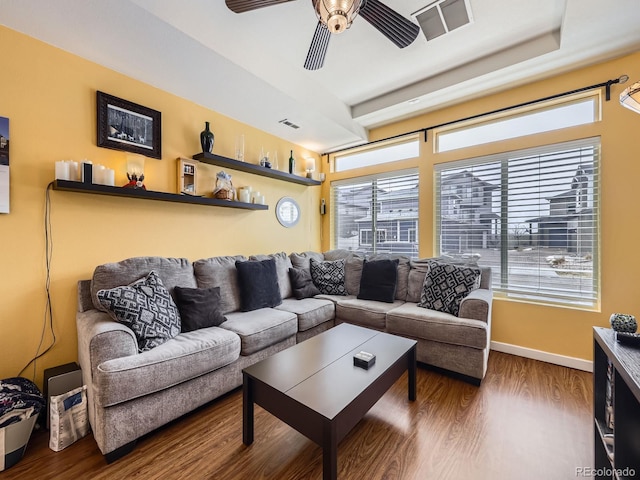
(446, 285)
(328, 276)
(146, 307)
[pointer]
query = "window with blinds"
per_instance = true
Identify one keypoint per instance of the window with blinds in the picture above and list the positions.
(532, 215)
(377, 214)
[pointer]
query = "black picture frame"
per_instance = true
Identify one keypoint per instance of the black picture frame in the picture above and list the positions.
(124, 125)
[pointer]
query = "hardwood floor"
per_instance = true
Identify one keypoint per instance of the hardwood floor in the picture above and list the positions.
(528, 420)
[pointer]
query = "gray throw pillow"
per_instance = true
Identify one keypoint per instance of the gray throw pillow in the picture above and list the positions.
(258, 282)
(379, 280)
(446, 285)
(302, 283)
(328, 276)
(199, 307)
(146, 307)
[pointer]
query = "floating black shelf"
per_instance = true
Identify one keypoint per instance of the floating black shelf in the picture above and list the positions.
(251, 168)
(80, 187)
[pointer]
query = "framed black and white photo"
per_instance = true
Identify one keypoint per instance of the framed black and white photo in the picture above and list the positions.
(127, 126)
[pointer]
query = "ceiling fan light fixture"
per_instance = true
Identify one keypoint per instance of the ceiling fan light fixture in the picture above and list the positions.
(630, 97)
(337, 15)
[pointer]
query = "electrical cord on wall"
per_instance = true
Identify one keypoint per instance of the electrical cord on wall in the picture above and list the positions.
(48, 312)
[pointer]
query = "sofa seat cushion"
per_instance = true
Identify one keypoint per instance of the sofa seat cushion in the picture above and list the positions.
(417, 322)
(366, 313)
(182, 358)
(310, 311)
(335, 298)
(261, 328)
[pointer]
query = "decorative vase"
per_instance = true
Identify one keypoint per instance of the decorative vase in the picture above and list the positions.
(206, 139)
(621, 322)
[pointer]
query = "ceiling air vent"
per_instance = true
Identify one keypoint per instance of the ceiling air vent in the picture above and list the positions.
(288, 123)
(442, 17)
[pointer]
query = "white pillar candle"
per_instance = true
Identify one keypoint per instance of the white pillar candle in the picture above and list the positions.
(62, 170)
(74, 172)
(110, 177)
(98, 174)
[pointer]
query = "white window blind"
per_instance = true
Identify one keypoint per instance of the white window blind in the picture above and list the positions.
(531, 215)
(377, 214)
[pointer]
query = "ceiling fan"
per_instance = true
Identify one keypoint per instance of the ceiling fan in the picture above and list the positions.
(335, 16)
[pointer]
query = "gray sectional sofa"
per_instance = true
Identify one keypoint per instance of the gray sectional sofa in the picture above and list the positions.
(131, 393)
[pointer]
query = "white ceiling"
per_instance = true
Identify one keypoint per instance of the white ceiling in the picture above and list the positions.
(249, 66)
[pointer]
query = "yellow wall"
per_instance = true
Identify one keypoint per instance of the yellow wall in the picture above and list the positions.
(560, 331)
(49, 97)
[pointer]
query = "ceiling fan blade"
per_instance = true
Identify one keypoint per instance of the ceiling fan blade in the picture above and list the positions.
(240, 6)
(318, 48)
(390, 23)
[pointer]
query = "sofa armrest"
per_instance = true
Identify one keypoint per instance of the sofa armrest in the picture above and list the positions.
(100, 338)
(477, 305)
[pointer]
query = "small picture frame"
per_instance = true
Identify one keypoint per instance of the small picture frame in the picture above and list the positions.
(187, 176)
(124, 125)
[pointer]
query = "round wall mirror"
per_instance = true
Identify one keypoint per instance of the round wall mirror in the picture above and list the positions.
(287, 212)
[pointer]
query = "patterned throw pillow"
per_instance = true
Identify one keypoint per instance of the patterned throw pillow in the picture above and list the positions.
(328, 276)
(146, 307)
(446, 285)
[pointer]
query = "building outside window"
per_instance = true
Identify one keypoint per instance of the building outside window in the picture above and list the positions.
(377, 214)
(531, 215)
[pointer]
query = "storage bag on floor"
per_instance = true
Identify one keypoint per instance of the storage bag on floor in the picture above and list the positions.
(68, 418)
(20, 404)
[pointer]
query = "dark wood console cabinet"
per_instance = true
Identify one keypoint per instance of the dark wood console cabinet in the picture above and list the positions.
(617, 450)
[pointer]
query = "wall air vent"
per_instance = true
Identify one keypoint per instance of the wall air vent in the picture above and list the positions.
(288, 123)
(442, 17)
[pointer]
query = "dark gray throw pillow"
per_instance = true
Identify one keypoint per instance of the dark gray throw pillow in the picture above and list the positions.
(258, 282)
(302, 283)
(146, 307)
(379, 280)
(329, 276)
(199, 307)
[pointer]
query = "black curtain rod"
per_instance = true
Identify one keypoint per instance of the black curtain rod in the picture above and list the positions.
(607, 85)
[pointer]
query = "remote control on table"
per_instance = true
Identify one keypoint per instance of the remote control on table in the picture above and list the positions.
(632, 339)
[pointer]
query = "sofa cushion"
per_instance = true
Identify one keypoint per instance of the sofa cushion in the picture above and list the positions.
(446, 285)
(403, 272)
(261, 328)
(172, 272)
(328, 276)
(146, 307)
(415, 284)
(302, 284)
(302, 260)
(220, 272)
(310, 311)
(199, 307)
(283, 264)
(415, 322)
(336, 298)
(258, 282)
(379, 280)
(352, 267)
(366, 313)
(187, 356)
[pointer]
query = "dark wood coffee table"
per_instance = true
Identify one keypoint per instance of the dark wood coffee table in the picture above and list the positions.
(315, 388)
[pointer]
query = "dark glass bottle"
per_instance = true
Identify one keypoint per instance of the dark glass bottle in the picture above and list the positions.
(206, 139)
(292, 163)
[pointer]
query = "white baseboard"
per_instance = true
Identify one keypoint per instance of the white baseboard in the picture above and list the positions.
(571, 362)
